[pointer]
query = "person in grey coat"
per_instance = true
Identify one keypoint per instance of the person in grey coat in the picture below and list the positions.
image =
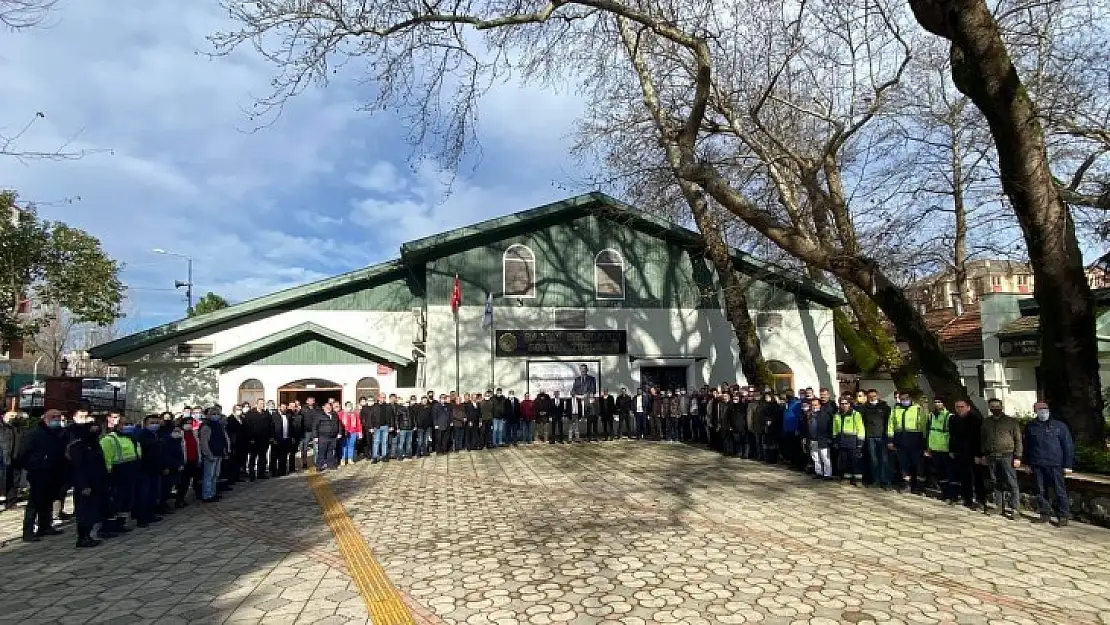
(9, 443)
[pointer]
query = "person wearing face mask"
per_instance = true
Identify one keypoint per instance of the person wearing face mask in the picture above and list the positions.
(258, 428)
(486, 414)
(235, 469)
(89, 478)
(214, 448)
(174, 461)
(624, 424)
(1002, 454)
(937, 445)
(818, 433)
(190, 478)
(965, 446)
(512, 419)
(849, 432)
(876, 418)
(121, 457)
(326, 435)
(152, 468)
(42, 456)
(906, 435)
(1049, 453)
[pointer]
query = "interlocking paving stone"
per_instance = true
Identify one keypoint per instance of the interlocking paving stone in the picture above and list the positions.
(621, 532)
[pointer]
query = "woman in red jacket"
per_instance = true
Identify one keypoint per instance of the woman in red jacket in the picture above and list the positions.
(352, 426)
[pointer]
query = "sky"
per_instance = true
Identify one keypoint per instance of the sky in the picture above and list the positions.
(172, 159)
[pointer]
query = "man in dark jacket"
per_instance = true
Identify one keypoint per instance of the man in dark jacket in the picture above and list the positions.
(607, 409)
(259, 430)
(309, 413)
(818, 434)
(736, 416)
(152, 467)
(236, 466)
(173, 458)
(965, 447)
(424, 421)
(876, 413)
(560, 411)
(43, 458)
(90, 479)
(623, 406)
(9, 447)
(325, 433)
(488, 412)
(282, 437)
(1049, 454)
(512, 418)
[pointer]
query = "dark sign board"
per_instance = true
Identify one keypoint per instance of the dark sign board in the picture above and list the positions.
(1017, 347)
(561, 342)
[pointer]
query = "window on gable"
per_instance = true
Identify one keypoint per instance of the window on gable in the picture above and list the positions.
(519, 272)
(609, 275)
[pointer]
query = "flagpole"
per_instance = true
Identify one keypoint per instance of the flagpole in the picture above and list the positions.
(458, 385)
(492, 349)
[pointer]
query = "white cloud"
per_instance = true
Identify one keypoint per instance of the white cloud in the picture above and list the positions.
(173, 163)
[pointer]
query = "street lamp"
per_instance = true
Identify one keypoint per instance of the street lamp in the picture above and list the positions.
(177, 284)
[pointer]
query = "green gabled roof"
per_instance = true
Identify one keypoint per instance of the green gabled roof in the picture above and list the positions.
(176, 329)
(304, 329)
(597, 203)
(416, 253)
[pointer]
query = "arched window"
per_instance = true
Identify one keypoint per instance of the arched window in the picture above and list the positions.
(368, 387)
(781, 375)
(251, 391)
(519, 272)
(609, 275)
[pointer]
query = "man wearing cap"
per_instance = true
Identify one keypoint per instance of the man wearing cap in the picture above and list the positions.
(43, 458)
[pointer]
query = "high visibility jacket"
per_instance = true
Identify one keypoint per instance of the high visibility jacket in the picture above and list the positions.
(906, 421)
(849, 430)
(118, 449)
(938, 431)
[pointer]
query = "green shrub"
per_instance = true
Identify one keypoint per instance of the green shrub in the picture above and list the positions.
(1092, 460)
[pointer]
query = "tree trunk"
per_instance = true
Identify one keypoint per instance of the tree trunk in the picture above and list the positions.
(733, 289)
(870, 322)
(959, 244)
(938, 368)
(983, 70)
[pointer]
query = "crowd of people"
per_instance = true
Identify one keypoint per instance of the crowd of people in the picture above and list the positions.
(120, 470)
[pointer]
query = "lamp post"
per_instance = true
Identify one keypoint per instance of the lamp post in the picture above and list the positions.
(177, 284)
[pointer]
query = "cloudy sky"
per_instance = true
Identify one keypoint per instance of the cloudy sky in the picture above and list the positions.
(172, 163)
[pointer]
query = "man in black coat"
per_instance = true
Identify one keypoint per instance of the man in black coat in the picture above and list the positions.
(152, 467)
(258, 429)
(309, 414)
(282, 439)
(512, 418)
(42, 456)
(965, 443)
(90, 479)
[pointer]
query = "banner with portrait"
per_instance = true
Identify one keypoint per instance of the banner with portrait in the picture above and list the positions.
(548, 376)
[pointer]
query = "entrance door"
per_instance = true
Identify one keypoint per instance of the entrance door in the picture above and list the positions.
(663, 378)
(301, 390)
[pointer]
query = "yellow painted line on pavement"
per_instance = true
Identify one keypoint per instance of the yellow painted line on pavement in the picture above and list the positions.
(383, 602)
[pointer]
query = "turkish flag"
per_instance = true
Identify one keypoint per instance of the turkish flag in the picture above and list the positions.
(456, 295)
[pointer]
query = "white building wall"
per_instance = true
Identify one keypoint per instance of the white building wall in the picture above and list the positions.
(159, 387)
(700, 339)
(274, 377)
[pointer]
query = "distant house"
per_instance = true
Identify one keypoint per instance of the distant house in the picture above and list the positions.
(939, 291)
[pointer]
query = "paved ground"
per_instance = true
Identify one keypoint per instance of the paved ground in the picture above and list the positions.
(626, 532)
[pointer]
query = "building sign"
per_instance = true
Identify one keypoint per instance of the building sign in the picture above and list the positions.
(548, 376)
(561, 342)
(1019, 347)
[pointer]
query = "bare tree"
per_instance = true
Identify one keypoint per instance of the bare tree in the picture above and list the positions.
(785, 91)
(22, 14)
(984, 70)
(942, 188)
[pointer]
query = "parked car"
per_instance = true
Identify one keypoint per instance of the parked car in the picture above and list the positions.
(99, 391)
(31, 395)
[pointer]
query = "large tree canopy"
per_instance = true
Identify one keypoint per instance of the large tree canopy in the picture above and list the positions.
(777, 112)
(49, 265)
(209, 303)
